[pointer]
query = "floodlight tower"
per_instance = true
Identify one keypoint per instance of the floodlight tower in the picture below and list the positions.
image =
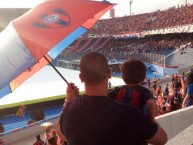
(130, 4)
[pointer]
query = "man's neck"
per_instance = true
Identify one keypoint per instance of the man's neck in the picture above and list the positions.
(97, 90)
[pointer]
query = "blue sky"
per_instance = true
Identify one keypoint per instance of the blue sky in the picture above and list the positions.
(122, 8)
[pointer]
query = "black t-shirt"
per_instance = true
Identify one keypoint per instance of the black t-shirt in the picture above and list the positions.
(98, 120)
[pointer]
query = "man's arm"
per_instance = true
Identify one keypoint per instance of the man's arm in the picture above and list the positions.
(185, 100)
(160, 138)
(151, 109)
(72, 93)
(60, 134)
(150, 131)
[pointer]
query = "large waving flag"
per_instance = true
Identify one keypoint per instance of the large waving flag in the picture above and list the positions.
(43, 33)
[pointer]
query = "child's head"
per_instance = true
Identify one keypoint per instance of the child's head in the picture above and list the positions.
(133, 71)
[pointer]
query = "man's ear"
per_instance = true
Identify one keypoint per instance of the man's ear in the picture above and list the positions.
(81, 78)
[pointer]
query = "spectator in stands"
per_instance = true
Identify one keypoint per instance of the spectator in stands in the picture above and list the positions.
(162, 110)
(173, 79)
(94, 119)
(176, 99)
(109, 84)
(183, 76)
(191, 70)
(54, 135)
(1, 142)
(38, 141)
(148, 83)
(171, 17)
(48, 133)
(154, 88)
(188, 100)
(51, 141)
(155, 79)
(31, 121)
(176, 77)
(159, 91)
(133, 74)
(21, 111)
(166, 90)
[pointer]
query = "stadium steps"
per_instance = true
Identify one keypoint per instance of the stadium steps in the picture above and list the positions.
(84, 45)
(93, 44)
(103, 44)
(180, 60)
(75, 45)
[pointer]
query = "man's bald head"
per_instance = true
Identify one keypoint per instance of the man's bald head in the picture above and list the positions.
(94, 68)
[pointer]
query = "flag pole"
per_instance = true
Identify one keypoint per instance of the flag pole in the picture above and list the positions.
(56, 70)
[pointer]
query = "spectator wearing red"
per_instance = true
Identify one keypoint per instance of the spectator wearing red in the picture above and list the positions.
(176, 77)
(176, 98)
(51, 141)
(38, 141)
(183, 75)
(54, 135)
(1, 142)
(159, 91)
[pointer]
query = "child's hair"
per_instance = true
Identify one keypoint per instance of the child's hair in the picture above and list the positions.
(52, 141)
(133, 71)
(177, 85)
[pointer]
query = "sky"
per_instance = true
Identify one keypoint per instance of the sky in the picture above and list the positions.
(121, 9)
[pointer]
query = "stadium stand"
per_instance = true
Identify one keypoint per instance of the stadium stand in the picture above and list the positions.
(162, 37)
(156, 37)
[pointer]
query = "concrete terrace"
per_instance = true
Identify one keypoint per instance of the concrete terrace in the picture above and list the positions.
(178, 125)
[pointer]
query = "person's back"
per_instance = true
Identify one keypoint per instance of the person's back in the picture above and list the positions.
(38, 141)
(51, 141)
(155, 79)
(97, 120)
(136, 95)
(166, 89)
(133, 74)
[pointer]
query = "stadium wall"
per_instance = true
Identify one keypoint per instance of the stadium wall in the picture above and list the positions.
(162, 71)
(185, 69)
(29, 131)
(177, 121)
(173, 123)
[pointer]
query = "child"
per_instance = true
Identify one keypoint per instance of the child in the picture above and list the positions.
(133, 74)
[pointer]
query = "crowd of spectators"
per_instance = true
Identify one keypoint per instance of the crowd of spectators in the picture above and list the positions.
(171, 96)
(174, 16)
(122, 49)
(50, 136)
